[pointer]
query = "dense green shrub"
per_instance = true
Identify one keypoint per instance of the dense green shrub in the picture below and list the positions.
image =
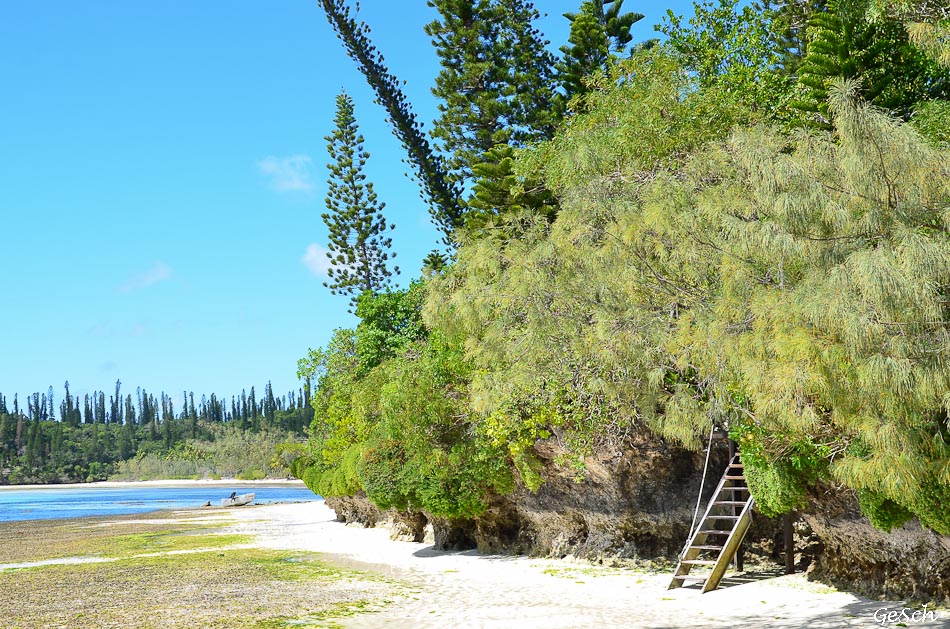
(380, 469)
(930, 504)
(391, 416)
(883, 512)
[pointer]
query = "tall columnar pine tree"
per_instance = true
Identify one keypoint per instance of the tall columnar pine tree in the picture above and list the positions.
(598, 30)
(497, 91)
(358, 248)
(496, 84)
(893, 73)
(443, 195)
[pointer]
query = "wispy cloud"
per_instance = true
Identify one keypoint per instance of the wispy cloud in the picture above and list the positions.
(288, 174)
(158, 272)
(316, 260)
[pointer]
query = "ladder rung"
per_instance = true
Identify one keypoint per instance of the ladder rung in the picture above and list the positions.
(730, 502)
(732, 477)
(696, 579)
(722, 517)
(737, 488)
(715, 532)
(736, 465)
(707, 547)
(700, 562)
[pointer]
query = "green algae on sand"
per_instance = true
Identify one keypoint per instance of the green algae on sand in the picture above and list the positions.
(162, 573)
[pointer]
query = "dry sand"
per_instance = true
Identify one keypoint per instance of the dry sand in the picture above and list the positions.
(465, 589)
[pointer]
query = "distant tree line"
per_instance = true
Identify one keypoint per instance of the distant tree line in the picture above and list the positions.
(90, 435)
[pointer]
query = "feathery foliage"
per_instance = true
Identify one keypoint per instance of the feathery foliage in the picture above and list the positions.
(829, 310)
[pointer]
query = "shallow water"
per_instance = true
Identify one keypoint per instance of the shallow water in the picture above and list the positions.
(82, 500)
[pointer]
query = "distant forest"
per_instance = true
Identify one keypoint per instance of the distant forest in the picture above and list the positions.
(142, 436)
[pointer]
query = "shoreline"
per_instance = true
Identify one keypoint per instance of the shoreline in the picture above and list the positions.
(203, 482)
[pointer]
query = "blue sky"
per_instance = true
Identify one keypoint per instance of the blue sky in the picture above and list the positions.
(163, 179)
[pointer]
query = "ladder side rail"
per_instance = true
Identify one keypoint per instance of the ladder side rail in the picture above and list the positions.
(736, 535)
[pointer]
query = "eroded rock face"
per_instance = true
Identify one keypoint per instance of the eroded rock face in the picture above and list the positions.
(453, 534)
(637, 502)
(356, 509)
(409, 526)
(909, 562)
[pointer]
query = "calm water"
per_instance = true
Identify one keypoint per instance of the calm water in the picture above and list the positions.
(81, 501)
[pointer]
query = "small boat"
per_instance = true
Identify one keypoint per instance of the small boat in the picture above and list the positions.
(236, 501)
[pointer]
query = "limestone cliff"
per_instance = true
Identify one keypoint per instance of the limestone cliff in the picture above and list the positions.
(908, 562)
(638, 503)
(634, 502)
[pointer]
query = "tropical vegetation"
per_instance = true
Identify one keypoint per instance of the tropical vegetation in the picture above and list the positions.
(745, 226)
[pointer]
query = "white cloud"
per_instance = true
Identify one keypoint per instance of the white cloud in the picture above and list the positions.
(158, 272)
(316, 260)
(288, 174)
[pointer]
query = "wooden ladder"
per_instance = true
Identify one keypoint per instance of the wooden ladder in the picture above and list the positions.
(720, 532)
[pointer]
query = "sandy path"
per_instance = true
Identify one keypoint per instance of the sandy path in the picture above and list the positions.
(465, 589)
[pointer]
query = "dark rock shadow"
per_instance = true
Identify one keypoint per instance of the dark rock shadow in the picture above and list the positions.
(431, 552)
(741, 578)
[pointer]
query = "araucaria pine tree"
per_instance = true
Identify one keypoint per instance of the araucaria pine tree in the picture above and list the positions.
(497, 81)
(358, 248)
(892, 74)
(438, 189)
(597, 30)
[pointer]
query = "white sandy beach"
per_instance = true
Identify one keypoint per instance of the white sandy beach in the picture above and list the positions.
(465, 589)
